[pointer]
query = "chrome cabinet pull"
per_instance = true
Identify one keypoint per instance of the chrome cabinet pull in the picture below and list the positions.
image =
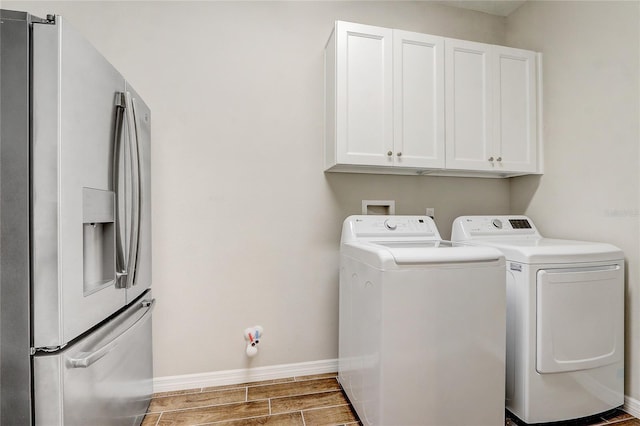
(389, 153)
(499, 159)
(399, 154)
(490, 158)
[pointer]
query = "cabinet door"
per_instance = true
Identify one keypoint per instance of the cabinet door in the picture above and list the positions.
(364, 117)
(468, 106)
(515, 132)
(418, 91)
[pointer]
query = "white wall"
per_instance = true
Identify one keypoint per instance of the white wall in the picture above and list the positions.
(591, 119)
(246, 225)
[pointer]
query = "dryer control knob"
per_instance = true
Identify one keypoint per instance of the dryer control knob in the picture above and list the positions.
(390, 224)
(497, 223)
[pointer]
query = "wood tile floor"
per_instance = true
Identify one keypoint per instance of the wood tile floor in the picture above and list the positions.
(300, 401)
(611, 418)
(303, 401)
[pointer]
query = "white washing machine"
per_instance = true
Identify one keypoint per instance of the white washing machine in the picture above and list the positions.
(422, 325)
(565, 319)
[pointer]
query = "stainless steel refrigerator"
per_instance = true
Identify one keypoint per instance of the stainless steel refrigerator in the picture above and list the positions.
(75, 232)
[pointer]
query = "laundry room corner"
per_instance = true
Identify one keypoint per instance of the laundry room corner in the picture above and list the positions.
(590, 189)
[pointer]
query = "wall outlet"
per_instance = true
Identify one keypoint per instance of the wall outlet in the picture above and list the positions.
(431, 212)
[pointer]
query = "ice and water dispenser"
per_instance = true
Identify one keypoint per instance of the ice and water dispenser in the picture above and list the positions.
(99, 239)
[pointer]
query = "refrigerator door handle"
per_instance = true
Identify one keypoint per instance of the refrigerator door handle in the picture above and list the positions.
(135, 188)
(121, 271)
(125, 270)
(86, 359)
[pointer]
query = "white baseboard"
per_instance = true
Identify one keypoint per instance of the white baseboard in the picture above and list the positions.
(631, 406)
(244, 375)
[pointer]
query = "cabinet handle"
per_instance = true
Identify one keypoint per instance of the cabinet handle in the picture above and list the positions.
(499, 159)
(399, 154)
(490, 158)
(389, 153)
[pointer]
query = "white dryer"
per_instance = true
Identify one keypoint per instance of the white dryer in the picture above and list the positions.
(422, 325)
(565, 319)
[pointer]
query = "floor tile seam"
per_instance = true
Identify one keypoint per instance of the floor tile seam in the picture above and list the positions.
(298, 394)
(200, 392)
(182, 408)
(325, 407)
(615, 420)
(158, 419)
(302, 410)
(206, 406)
(267, 382)
(301, 379)
(617, 417)
(223, 388)
(619, 421)
(235, 419)
(290, 383)
(285, 381)
(304, 422)
(177, 393)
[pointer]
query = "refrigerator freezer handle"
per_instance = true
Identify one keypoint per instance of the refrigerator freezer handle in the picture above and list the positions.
(88, 358)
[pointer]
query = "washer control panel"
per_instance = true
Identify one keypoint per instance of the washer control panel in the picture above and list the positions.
(467, 227)
(390, 227)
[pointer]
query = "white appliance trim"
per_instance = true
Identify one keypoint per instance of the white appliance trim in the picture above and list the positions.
(243, 375)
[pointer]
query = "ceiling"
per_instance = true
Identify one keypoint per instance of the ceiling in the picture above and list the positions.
(493, 7)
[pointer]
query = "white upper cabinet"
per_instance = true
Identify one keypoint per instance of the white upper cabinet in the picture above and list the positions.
(515, 131)
(359, 74)
(491, 108)
(409, 103)
(469, 105)
(384, 99)
(418, 100)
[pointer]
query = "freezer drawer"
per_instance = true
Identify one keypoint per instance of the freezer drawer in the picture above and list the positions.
(104, 379)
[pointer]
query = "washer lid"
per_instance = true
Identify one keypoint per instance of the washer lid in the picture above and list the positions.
(392, 253)
(549, 250)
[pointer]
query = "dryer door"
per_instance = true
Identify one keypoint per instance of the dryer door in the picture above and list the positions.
(580, 318)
